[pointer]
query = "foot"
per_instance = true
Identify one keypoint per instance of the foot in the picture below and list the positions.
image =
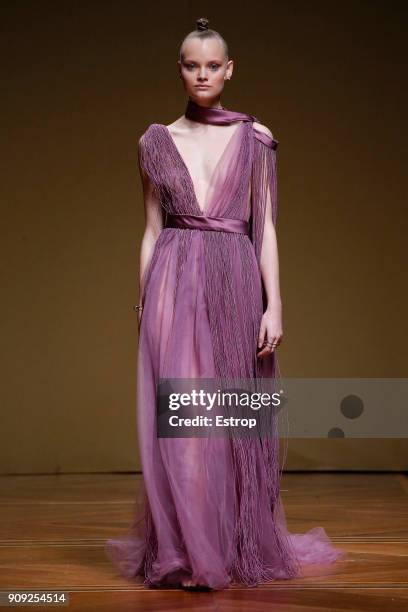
(189, 583)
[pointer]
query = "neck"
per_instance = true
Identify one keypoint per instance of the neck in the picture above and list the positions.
(216, 104)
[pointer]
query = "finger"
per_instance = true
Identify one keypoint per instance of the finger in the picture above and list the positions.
(266, 350)
(272, 343)
(261, 335)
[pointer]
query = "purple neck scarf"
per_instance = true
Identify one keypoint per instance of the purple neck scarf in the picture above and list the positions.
(217, 116)
(222, 116)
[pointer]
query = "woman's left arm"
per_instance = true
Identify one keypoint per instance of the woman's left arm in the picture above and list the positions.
(271, 323)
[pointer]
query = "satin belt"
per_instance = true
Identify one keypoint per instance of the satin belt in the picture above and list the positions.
(218, 224)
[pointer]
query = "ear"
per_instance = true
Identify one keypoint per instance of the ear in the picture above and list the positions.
(230, 68)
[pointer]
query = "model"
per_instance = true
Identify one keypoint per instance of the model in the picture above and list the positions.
(210, 307)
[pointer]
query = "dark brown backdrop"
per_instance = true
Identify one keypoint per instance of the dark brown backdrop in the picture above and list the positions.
(81, 82)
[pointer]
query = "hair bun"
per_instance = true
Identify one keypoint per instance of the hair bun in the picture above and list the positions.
(202, 24)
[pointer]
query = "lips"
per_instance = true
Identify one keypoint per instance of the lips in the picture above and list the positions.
(202, 86)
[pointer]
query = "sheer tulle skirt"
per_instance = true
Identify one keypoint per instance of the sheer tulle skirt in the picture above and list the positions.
(209, 508)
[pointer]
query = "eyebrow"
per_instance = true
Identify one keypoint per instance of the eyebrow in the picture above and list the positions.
(209, 61)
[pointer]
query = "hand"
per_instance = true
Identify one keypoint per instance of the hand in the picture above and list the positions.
(139, 314)
(270, 331)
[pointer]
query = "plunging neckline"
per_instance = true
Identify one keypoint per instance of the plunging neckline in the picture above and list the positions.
(202, 211)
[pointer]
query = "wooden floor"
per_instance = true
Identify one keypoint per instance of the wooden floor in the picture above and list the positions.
(53, 530)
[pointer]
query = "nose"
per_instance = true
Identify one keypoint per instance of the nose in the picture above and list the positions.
(202, 75)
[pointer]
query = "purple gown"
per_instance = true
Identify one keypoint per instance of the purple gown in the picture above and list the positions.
(209, 508)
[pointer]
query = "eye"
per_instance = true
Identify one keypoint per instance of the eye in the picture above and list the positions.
(215, 66)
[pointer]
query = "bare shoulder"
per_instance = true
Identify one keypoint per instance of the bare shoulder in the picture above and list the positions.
(173, 125)
(179, 127)
(262, 128)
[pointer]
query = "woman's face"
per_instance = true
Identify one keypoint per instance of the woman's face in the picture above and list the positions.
(204, 69)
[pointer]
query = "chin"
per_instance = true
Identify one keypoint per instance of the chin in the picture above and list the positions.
(202, 95)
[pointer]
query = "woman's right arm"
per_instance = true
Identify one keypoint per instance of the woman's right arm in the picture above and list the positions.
(153, 224)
